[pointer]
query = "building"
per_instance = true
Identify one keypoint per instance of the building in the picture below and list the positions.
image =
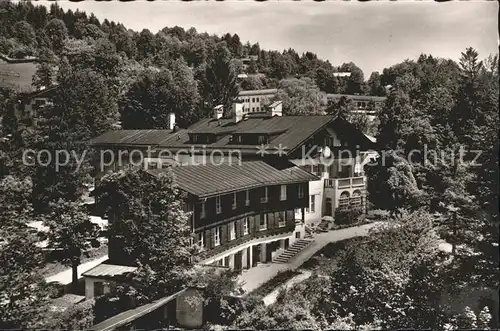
(254, 182)
(255, 101)
(341, 74)
(29, 104)
(240, 214)
(361, 101)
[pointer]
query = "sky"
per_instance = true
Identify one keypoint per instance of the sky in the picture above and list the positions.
(373, 35)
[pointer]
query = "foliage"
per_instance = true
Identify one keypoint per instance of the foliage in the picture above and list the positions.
(154, 95)
(300, 97)
(77, 317)
(347, 216)
(71, 231)
(219, 81)
(22, 288)
(148, 226)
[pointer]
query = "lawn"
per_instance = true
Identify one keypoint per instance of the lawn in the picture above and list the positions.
(280, 279)
(328, 256)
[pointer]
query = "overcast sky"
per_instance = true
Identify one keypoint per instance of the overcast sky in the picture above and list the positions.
(374, 35)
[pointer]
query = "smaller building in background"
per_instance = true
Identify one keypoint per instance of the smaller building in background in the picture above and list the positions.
(30, 104)
(255, 101)
(361, 101)
(341, 74)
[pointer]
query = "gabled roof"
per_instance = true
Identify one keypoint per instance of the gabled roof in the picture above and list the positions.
(133, 137)
(290, 132)
(212, 179)
(131, 315)
(105, 270)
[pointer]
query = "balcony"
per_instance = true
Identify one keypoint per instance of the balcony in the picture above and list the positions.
(345, 183)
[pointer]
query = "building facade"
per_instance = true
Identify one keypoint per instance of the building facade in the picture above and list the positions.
(361, 101)
(255, 101)
(254, 182)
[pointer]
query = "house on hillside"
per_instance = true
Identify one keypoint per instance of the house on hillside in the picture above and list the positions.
(255, 101)
(255, 182)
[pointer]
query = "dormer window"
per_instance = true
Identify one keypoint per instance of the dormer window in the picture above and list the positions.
(234, 201)
(265, 196)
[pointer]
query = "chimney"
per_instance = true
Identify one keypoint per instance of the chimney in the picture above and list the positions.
(237, 111)
(171, 121)
(276, 108)
(218, 111)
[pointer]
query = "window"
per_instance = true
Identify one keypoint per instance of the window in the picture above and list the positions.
(234, 201)
(98, 289)
(199, 240)
(281, 219)
(263, 222)
(246, 225)
(315, 169)
(312, 207)
(283, 193)
(262, 139)
(301, 191)
(264, 197)
(217, 236)
(194, 138)
(218, 207)
(253, 109)
(253, 99)
(247, 198)
(203, 212)
(232, 230)
(257, 99)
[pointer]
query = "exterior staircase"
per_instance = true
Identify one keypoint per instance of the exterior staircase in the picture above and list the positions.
(323, 226)
(309, 233)
(293, 250)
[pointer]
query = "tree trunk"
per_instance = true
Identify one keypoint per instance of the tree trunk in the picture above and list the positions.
(74, 276)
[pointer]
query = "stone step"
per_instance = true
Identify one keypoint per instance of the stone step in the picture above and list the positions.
(293, 250)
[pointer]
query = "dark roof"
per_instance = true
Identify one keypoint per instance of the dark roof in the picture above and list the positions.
(133, 314)
(357, 97)
(133, 137)
(211, 179)
(276, 103)
(289, 133)
(294, 130)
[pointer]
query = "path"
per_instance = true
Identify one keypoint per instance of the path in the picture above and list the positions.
(65, 277)
(254, 277)
(271, 297)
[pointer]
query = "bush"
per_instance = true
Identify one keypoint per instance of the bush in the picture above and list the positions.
(379, 215)
(349, 216)
(77, 317)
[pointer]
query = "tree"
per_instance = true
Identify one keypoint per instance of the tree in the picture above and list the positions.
(72, 232)
(252, 83)
(154, 95)
(300, 97)
(22, 288)
(57, 32)
(148, 228)
(219, 81)
(45, 74)
(83, 108)
(375, 85)
(24, 33)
